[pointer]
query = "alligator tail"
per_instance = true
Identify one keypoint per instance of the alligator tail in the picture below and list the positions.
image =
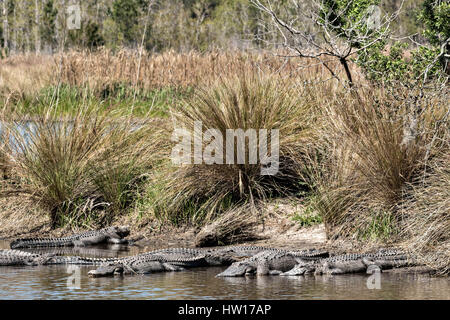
(38, 242)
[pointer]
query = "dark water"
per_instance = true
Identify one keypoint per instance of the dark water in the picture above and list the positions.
(65, 282)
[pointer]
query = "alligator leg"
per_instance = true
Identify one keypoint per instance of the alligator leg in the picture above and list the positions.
(301, 268)
(262, 269)
(171, 267)
(371, 267)
(341, 267)
(296, 271)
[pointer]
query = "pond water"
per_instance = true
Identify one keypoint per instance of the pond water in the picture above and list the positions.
(72, 282)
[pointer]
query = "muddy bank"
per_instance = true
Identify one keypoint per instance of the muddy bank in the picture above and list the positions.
(275, 227)
(276, 230)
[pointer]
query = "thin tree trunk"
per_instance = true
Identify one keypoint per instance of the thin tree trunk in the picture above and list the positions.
(14, 44)
(37, 25)
(344, 63)
(63, 25)
(5, 24)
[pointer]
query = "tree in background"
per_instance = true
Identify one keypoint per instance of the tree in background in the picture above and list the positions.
(340, 29)
(125, 14)
(48, 24)
(206, 24)
(435, 15)
(387, 61)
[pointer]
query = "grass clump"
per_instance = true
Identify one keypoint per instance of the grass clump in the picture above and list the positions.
(86, 169)
(426, 227)
(375, 150)
(245, 101)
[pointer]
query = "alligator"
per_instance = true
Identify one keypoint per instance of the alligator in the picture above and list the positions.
(352, 263)
(113, 235)
(21, 258)
(144, 264)
(172, 259)
(271, 262)
(210, 256)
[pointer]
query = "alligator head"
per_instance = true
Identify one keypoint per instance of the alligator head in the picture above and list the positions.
(238, 269)
(107, 270)
(121, 231)
(219, 258)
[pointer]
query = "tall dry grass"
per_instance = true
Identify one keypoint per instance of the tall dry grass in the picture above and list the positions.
(426, 213)
(24, 75)
(370, 164)
(83, 170)
(105, 69)
(245, 101)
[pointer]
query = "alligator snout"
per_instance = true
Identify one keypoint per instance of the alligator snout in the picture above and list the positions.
(123, 231)
(237, 270)
(106, 270)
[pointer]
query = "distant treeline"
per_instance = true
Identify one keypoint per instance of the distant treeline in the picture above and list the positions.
(181, 25)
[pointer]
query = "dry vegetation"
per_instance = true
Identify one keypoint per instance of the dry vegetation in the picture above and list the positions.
(103, 69)
(373, 181)
(243, 101)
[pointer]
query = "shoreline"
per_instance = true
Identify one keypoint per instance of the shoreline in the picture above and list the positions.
(310, 237)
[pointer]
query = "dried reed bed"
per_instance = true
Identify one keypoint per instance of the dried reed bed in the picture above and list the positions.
(24, 75)
(27, 74)
(171, 69)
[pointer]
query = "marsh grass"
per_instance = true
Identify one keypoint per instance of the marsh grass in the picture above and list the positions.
(367, 171)
(66, 100)
(245, 101)
(84, 169)
(371, 175)
(426, 216)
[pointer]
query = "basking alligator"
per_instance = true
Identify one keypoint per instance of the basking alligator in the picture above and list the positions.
(180, 258)
(293, 263)
(271, 262)
(172, 259)
(22, 258)
(352, 263)
(107, 235)
(143, 264)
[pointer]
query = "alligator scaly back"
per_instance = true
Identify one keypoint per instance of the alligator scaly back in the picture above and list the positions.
(106, 235)
(352, 263)
(22, 258)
